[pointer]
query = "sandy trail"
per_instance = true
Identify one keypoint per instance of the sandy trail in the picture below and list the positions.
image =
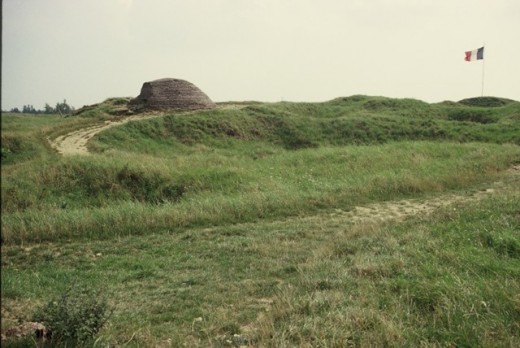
(399, 210)
(75, 143)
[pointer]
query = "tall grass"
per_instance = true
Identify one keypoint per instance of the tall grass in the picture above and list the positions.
(264, 160)
(451, 278)
(431, 281)
(112, 196)
(26, 137)
(23, 137)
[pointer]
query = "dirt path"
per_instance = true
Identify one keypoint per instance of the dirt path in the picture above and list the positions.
(401, 209)
(75, 143)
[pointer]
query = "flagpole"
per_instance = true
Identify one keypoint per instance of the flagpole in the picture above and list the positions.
(483, 62)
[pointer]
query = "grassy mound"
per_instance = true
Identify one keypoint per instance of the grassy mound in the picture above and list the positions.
(357, 120)
(111, 106)
(486, 101)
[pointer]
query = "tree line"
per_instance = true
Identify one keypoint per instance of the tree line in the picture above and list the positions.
(62, 108)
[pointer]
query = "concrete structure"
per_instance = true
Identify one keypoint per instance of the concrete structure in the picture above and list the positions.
(168, 93)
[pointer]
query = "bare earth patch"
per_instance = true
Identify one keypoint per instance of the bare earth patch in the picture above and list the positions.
(401, 209)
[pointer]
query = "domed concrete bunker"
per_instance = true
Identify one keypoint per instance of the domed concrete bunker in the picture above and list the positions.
(170, 94)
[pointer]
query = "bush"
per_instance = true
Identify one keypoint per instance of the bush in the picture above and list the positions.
(16, 148)
(75, 316)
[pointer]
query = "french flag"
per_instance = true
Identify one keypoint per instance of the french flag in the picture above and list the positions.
(474, 55)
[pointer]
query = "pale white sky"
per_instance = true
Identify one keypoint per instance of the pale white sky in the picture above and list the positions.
(267, 50)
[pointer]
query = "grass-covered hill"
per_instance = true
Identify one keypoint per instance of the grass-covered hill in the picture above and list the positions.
(356, 120)
(298, 157)
(235, 226)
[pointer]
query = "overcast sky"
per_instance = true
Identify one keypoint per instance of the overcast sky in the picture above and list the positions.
(85, 51)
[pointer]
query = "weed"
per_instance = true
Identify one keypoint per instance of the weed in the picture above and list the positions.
(75, 316)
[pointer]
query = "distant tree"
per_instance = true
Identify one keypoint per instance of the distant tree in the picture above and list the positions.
(28, 109)
(61, 108)
(49, 109)
(64, 108)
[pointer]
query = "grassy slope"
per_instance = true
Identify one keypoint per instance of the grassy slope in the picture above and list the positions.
(186, 180)
(452, 278)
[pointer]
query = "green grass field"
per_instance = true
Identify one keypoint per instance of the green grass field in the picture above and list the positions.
(236, 226)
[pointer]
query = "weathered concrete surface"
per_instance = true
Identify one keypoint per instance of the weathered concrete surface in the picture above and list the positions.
(170, 93)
